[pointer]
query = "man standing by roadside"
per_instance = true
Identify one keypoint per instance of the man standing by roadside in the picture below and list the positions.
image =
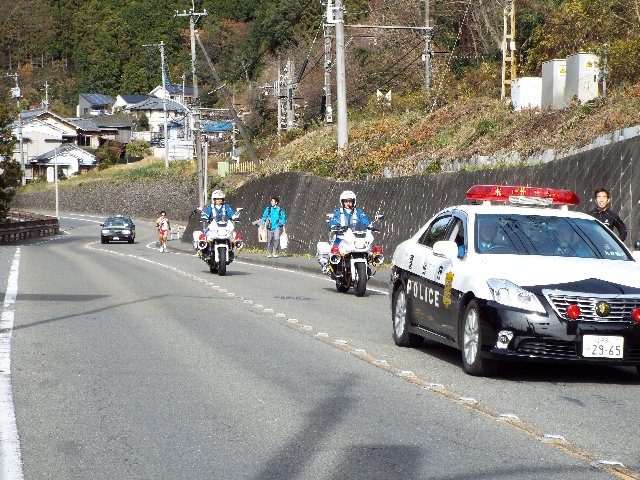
(274, 219)
(603, 212)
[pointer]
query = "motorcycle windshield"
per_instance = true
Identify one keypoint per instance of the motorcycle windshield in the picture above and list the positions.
(358, 227)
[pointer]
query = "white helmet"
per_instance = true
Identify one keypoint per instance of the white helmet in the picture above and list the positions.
(348, 195)
(217, 194)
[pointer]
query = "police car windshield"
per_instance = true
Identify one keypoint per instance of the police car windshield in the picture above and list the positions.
(548, 236)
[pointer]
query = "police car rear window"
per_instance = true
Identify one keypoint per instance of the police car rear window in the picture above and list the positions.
(543, 235)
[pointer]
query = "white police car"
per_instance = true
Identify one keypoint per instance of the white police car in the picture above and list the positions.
(518, 280)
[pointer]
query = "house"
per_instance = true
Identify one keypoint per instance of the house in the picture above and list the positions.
(178, 93)
(70, 159)
(153, 108)
(123, 102)
(118, 128)
(42, 130)
(93, 104)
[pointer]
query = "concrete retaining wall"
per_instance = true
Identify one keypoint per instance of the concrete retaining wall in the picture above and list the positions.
(407, 202)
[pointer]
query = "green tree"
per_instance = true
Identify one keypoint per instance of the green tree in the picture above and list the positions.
(10, 170)
(108, 154)
(138, 148)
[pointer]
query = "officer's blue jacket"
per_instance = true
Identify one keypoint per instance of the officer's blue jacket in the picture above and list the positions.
(220, 213)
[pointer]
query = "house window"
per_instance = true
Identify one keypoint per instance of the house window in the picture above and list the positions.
(84, 141)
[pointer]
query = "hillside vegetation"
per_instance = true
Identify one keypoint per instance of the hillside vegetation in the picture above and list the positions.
(98, 46)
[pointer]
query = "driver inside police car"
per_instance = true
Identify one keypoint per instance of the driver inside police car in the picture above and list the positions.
(487, 229)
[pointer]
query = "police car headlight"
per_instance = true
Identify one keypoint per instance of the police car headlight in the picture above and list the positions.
(509, 294)
(105, 232)
(126, 232)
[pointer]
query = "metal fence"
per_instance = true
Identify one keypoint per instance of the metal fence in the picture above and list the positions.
(24, 225)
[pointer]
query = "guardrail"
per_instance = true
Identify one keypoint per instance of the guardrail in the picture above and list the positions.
(27, 225)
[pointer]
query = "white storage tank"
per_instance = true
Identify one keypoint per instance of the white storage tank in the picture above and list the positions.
(582, 77)
(526, 92)
(554, 75)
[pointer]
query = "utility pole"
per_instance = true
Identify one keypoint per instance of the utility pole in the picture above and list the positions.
(164, 100)
(508, 48)
(290, 107)
(278, 95)
(341, 87)
(15, 93)
(328, 64)
(193, 18)
(46, 95)
(427, 48)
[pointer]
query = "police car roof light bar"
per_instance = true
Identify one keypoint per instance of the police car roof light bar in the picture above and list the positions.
(502, 193)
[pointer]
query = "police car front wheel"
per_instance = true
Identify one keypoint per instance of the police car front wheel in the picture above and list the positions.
(472, 361)
(401, 322)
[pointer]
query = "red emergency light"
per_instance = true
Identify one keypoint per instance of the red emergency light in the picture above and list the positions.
(502, 193)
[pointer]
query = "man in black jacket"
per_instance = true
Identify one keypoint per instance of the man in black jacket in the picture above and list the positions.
(603, 212)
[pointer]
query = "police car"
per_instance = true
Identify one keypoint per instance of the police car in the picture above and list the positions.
(510, 277)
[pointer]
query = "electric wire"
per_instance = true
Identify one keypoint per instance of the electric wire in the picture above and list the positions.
(445, 70)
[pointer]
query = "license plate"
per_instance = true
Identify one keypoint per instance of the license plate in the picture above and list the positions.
(596, 346)
(116, 238)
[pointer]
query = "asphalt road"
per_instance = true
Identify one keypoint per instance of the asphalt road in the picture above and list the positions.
(131, 363)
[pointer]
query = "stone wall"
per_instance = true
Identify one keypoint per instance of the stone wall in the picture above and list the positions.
(407, 202)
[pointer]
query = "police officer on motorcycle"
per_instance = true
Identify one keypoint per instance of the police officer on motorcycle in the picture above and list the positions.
(218, 210)
(348, 215)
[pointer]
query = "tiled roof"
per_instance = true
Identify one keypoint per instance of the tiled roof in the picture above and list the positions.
(177, 90)
(155, 103)
(115, 121)
(62, 149)
(98, 99)
(86, 124)
(134, 98)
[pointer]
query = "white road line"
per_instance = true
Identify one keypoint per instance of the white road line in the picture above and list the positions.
(10, 456)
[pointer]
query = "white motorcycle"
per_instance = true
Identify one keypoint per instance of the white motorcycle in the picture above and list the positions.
(354, 260)
(218, 244)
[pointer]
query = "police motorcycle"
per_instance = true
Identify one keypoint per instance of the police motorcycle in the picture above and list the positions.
(354, 259)
(218, 243)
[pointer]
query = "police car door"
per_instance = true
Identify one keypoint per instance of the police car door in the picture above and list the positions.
(424, 300)
(444, 272)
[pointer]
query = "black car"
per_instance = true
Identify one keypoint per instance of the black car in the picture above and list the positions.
(118, 228)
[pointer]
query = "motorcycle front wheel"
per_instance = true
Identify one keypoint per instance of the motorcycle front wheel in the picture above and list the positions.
(361, 283)
(222, 261)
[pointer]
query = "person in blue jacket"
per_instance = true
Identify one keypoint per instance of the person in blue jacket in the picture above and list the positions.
(218, 210)
(275, 220)
(348, 215)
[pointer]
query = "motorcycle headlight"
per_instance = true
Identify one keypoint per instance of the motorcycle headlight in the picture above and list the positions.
(509, 294)
(105, 232)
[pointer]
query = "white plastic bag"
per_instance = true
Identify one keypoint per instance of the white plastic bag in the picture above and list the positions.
(284, 240)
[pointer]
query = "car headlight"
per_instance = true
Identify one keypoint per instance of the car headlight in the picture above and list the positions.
(105, 232)
(509, 294)
(126, 232)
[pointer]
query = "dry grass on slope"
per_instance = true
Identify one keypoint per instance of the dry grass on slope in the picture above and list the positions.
(409, 142)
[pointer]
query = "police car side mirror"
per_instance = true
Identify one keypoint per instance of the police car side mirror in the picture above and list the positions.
(446, 248)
